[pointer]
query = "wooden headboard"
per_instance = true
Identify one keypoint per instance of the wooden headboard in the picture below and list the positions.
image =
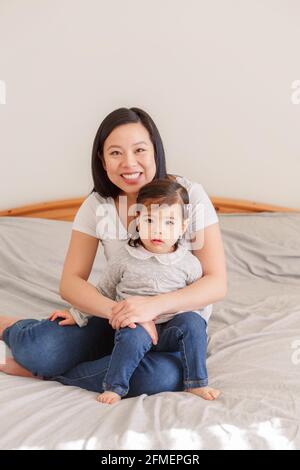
(65, 209)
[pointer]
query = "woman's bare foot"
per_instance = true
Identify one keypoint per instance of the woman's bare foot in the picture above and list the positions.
(6, 321)
(207, 393)
(108, 397)
(13, 368)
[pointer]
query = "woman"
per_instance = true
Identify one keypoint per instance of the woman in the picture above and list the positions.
(127, 153)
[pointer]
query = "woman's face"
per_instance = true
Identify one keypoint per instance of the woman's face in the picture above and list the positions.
(129, 157)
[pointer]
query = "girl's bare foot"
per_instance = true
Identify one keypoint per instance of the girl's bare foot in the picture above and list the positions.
(207, 393)
(108, 397)
(6, 321)
(13, 368)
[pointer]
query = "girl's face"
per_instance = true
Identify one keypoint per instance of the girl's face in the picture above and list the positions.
(161, 226)
(129, 157)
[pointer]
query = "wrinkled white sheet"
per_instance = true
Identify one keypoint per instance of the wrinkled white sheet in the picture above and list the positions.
(253, 353)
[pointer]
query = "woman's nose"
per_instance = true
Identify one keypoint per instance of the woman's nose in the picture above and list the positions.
(129, 159)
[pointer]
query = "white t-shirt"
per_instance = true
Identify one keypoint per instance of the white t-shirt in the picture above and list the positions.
(97, 216)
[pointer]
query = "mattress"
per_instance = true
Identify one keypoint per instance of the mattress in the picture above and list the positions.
(253, 350)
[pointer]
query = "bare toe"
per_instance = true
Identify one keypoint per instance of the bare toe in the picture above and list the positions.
(215, 393)
(207, 396)
(207, 393)
(108, 397)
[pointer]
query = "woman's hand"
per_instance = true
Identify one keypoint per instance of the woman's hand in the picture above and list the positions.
(134, 309)
(68, 319)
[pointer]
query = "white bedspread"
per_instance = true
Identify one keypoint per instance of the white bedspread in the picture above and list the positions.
(253, 352)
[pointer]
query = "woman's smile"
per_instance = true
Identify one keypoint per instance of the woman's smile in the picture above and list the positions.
(132, 178)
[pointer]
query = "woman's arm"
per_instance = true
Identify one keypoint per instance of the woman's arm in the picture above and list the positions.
(74, 287)
(212, 286)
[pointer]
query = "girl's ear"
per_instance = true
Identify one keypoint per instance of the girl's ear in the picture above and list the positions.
(137, 220)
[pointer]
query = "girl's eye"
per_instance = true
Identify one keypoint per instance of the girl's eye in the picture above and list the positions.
(149, 220)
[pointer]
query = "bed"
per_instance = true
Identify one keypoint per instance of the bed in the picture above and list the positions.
(253, 350)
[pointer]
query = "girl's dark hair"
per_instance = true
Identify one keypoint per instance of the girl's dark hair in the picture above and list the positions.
(102, 184)
(162, 191)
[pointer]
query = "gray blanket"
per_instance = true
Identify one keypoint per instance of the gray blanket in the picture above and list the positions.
(253, 352)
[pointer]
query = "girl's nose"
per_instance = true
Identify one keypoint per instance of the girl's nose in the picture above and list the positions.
(157, 230)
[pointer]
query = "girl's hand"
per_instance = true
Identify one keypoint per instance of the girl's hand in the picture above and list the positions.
(69, 320)
(134, 309)
(151, 329)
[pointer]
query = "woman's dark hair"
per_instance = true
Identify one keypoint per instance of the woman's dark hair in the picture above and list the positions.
(160, 192)
(102, 184)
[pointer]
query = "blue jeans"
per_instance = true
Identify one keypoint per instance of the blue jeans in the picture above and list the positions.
(80, 356)
(186, 332)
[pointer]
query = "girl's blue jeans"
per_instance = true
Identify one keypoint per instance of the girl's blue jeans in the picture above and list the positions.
(186, 332)
(81, 356)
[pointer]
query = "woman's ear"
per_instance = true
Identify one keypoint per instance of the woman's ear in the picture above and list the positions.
(102, 160)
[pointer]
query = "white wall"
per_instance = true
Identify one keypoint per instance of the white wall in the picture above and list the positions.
(215, 76)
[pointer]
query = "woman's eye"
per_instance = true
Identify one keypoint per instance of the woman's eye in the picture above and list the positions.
(149, 221)
(116, 151)
(170, 222)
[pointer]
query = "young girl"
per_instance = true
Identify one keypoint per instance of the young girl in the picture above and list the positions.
(154, 261)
